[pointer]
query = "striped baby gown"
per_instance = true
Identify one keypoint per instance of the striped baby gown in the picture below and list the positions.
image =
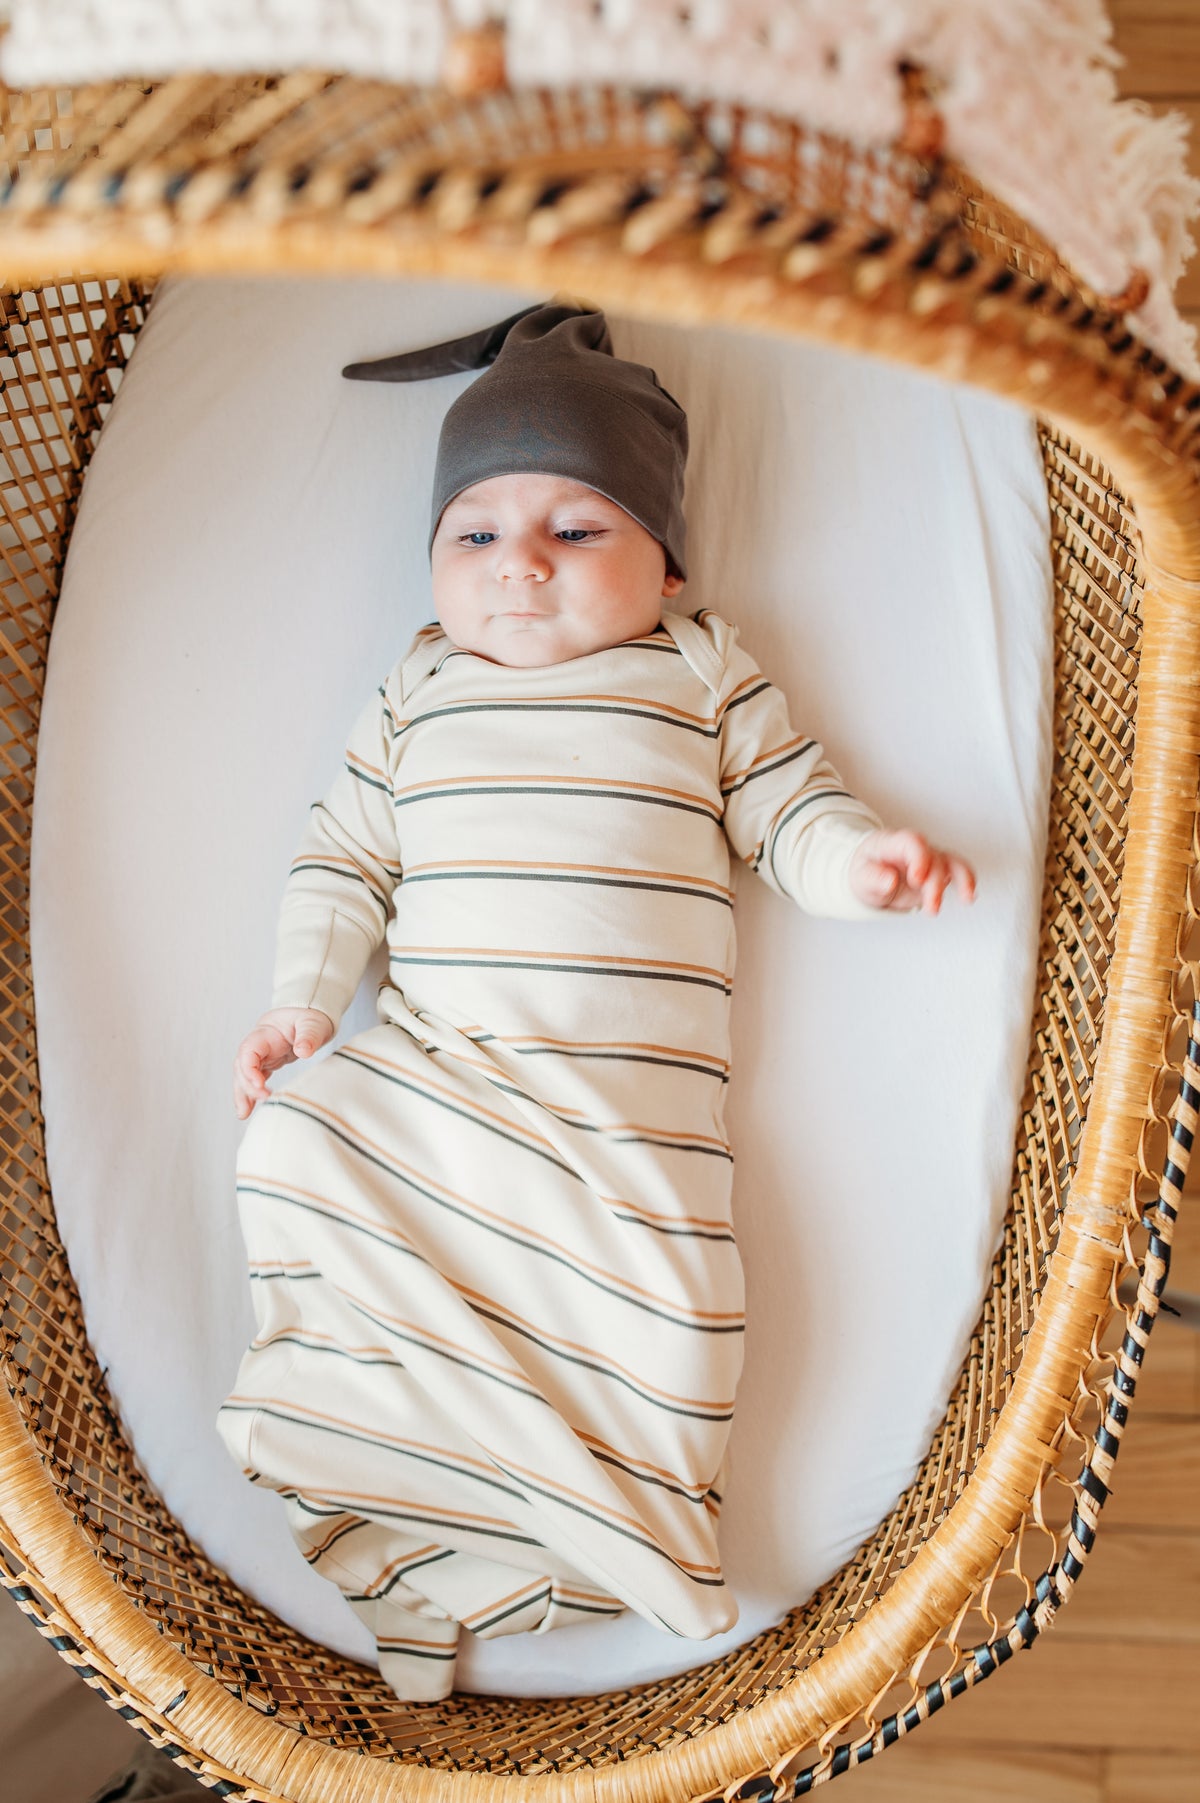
(498, 1295)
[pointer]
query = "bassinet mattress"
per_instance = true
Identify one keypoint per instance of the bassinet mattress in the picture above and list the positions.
(248, 563)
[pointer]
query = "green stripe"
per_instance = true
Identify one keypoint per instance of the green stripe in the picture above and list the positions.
(584, 970)
(766, 769)
(537, 876)
(556, 791)
(363, 1438)
(806, 801)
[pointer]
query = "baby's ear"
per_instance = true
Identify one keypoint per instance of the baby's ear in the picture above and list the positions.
(671, 587)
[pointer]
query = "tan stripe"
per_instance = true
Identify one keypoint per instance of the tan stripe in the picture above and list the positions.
(454, 1095)
(530, 1590)
(493, 1470)
(278, 1185)
(366, 1499)
(583, 959)
(659, 707)
(403, 1560)
(592, 1441)
(510, 1370)
(649, 1214)
(747, 682)
(592, 1352)
(660, 1135)
(765, 757)
(523, 778)
(643, 703)
(527, 1235)
(390, 1642)
(640, 701)
(658, 876)
(377, 1437)
(360, 763)
(469, 1356)
(312, 1333)
(602, 1045)
(325, 857)
(631, 1521)
(312, 1553)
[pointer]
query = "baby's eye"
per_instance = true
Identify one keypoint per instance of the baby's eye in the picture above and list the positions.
(477, 538)
(575, 535)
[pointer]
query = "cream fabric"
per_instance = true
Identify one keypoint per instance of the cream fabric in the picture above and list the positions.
(500, 1306)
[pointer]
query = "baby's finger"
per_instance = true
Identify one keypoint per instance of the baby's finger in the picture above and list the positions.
(920, 859)
(253, 1067)
(934, 886)
(964, 879)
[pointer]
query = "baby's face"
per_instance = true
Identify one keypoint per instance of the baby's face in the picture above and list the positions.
(535, 569)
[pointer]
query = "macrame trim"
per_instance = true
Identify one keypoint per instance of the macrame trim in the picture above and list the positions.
(1025, 92)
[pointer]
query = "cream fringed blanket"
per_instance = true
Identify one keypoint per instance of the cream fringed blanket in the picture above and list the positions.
(1026, 92)
(498, 1293)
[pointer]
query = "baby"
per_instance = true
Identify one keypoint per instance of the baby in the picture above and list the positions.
(498, 1293)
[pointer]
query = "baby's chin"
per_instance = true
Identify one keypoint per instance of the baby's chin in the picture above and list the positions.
(528, 646)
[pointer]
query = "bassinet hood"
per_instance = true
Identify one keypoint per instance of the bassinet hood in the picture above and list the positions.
(1024, 93)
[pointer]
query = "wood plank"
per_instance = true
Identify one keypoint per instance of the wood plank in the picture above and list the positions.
(1187, 292)
(1170, 1380)
(1151, 1778)
(1079, 1695)
(1185, 1246)
(1160, 42)
(922, 1771)
(1136, 1586)
(1156, 1484)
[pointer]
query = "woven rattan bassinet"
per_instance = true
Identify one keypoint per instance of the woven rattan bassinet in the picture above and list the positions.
(704, 214)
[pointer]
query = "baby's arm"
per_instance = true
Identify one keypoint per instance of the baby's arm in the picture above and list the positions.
(335, 908)
(792, 819)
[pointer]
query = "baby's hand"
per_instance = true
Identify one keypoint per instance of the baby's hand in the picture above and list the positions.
(902, 871)
(281, 1036)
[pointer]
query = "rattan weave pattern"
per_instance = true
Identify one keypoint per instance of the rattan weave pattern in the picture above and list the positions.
(854, 225)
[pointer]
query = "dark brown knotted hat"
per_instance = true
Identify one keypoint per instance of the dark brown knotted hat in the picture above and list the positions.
(557, 402)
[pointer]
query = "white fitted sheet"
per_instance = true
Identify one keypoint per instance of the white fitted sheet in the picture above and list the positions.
(249, 560)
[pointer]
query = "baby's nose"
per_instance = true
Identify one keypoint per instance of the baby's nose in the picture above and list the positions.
(524, 563)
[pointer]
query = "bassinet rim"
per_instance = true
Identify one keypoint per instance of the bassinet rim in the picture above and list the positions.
(1102, 398)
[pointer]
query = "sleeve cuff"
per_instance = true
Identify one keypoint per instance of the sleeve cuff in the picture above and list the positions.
(319, 964)
(823, 861)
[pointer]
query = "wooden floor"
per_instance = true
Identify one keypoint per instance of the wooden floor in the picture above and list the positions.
(1106, 1707)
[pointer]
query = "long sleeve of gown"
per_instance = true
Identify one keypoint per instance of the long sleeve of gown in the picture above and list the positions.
(335, 905)
(788, 814)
